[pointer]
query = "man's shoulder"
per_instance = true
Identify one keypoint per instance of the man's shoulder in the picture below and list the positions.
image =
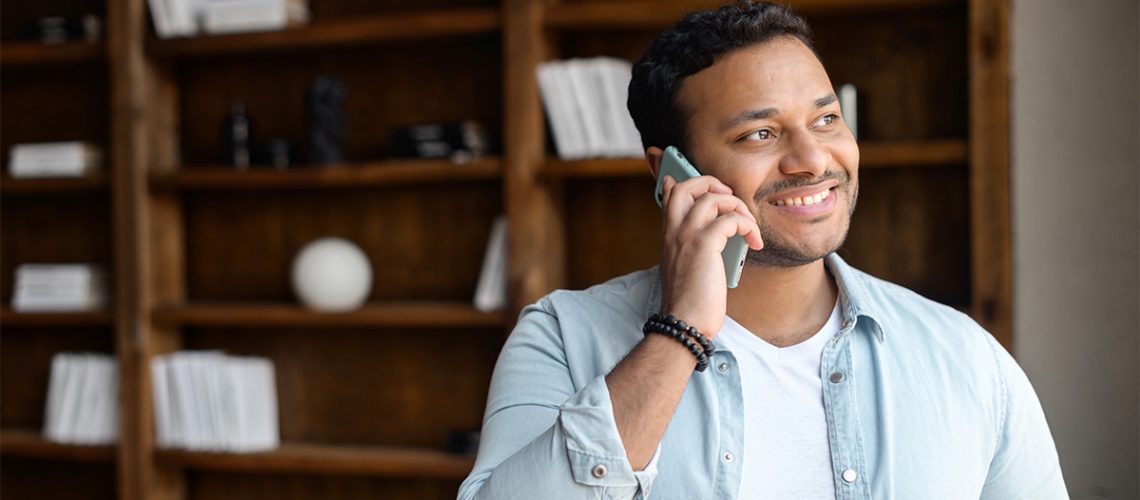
(630, 293)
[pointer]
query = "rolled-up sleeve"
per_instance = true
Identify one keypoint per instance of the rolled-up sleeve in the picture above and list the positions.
(542, 436)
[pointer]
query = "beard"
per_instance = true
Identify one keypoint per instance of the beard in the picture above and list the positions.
(780, 252)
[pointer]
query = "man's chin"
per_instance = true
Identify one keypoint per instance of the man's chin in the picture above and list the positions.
(782, 258)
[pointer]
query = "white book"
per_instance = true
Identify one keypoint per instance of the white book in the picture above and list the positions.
(618, 73)
(848, 105)
(83, 420)
(586, 106)
(54, 159)
(161, 18)
(183, 17)
(53, 411)
(605, 102)
(92, 414)
(202, 365)
(72, 394)
(186, 405)
(160, 398)
(211, 373)
(108, 430)
(234, 414)
(261, 388)
(491, 291)
(557, 110)
(178, 410)
(240, 16)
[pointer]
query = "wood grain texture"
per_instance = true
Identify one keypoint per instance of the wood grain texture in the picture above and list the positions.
(381, 173)
(316, 458)
(25, 367)
(424, 242)
(376, 315)
(9, 317)
(28, 443)
(404, 388)
(93, 183)
(14, 54)
(216, 485)
(425, 24)
(387, 87)
(989, 168)
(615, 229)
(54, 479)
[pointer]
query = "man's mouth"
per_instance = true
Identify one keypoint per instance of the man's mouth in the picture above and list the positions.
(805, 200)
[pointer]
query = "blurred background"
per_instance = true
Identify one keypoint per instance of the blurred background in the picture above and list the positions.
(271, 248)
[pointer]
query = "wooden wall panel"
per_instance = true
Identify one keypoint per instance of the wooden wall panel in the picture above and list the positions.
(613, 227)
(392, 387)
(55, 480)
(15, 16)
(423, 242)
(68, 228)
(911, 227)
(25, 369)
(388, 86)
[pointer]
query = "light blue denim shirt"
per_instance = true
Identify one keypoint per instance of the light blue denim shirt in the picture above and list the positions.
(921, 403)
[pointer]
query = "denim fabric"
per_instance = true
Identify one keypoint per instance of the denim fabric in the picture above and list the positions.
(921, 403)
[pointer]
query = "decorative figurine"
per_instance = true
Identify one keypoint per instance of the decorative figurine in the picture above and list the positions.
(327, 126)
(236, 133)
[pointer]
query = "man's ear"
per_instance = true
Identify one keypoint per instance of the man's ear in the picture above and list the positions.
(653, 155)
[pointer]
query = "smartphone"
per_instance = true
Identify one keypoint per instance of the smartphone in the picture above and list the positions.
(675, 165)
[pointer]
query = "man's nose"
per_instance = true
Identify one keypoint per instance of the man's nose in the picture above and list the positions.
(805, 156)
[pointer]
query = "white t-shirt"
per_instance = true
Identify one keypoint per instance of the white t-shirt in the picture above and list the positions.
(786, 452)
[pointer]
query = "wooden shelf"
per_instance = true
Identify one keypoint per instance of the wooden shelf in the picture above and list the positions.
(646, 14)
(36, 53)
(384, 173)
(383, 314)
(9, 317)
(872, 155)
(371, 29)
(9, 185)
(28, 443)
(314, 458)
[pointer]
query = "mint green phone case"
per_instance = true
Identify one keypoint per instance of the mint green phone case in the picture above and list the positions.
(675, 165)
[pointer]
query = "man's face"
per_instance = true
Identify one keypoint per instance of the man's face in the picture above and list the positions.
(765, 121)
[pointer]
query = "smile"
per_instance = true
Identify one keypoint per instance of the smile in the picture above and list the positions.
(804, 200)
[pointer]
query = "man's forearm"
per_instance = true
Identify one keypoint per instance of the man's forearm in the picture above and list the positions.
(645, 389)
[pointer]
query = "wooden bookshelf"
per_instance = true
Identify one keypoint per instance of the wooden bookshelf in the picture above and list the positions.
(9, 317)
(428, 24)
(915, 154)
(371, 174)
(376, 315)
(12, 186)
(312, 458)
(37, 54)
(27, 443)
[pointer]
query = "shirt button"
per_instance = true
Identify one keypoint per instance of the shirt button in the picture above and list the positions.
(600, 471)
(847, 324)
(850, 476)
(723, 367)
(728, 457)
(836, 377)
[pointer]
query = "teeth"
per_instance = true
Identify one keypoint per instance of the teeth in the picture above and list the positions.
(806, 200)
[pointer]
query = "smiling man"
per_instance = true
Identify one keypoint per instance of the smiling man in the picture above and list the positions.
(823, 382)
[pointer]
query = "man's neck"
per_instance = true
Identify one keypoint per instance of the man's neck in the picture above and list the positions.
(783, 305)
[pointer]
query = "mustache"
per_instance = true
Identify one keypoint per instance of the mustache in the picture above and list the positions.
(795, 182)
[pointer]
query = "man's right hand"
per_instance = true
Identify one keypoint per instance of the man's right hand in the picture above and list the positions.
(701, 214)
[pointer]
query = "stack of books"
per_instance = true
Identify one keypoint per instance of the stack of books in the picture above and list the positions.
(82, 401)
(208, 401)
(182, 18)
(585, 101)
(59, 288)
(54, 159)
(491, 291)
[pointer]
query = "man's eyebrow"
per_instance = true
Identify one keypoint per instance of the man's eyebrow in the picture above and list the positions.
(763, 114)
(825, 100)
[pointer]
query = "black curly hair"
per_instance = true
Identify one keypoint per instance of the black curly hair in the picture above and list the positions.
(693, 44)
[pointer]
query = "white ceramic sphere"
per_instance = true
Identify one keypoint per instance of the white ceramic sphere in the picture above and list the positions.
(332, 275)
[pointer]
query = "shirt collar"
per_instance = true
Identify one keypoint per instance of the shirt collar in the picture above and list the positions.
(854, 297)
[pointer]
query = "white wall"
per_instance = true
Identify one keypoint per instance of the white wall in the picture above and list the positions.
(1076, 217)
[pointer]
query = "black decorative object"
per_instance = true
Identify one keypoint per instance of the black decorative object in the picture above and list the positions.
(327, 125)
(461, 142)
(236, 133)
(277, 153)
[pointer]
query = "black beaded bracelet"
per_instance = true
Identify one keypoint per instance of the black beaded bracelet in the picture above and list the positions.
(667, 324)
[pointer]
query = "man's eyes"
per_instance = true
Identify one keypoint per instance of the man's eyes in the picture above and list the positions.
(826, 120)
(759, 135)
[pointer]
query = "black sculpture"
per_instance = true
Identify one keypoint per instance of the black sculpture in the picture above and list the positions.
(326, 121)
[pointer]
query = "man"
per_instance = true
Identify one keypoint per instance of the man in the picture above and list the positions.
(823, 383)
